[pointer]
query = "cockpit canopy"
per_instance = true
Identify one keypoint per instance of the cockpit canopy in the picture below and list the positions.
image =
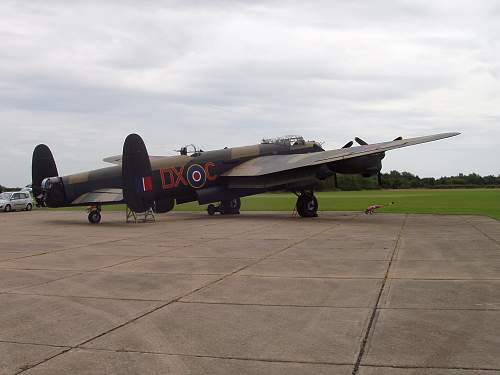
(294, 142)
(287, 140)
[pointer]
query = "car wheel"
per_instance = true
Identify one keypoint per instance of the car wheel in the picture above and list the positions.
(29, 206)
(7, 208)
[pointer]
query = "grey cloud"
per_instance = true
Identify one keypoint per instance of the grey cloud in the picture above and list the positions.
(83, 74)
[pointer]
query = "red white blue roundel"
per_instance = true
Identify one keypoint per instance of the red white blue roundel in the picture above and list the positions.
(196, 176)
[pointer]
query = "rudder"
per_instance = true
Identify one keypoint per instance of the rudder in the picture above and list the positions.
(43, 165)
(137, 175)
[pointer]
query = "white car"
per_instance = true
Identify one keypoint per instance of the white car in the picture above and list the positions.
(16, 201)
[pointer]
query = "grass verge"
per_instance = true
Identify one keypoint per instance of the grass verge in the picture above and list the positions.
(424, 201)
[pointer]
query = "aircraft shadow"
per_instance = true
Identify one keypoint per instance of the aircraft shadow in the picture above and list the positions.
(201, 216)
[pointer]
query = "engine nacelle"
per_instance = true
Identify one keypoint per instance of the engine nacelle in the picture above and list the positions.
(324, 172)
(164, 205)
(213, 194)
(367, 166)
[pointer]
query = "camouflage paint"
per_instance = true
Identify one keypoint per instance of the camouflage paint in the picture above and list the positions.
(170, 179)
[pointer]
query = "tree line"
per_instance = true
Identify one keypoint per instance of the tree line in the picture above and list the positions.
(396, 180)
(4, 188)
(407, 180)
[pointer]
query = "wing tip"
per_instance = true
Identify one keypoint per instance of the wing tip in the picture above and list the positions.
(446, 135)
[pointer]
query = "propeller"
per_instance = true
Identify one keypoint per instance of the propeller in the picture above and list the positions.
(360, 141)
(364, 143)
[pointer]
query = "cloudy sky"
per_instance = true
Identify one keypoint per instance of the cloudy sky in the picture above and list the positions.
(81, 75)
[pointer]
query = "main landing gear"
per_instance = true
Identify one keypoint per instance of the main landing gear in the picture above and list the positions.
(229, 207)
(94, 214)
(307, 204)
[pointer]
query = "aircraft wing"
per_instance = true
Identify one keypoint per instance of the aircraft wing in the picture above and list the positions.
(100, 196)
(265, 165)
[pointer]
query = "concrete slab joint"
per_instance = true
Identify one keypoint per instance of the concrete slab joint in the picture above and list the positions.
(258, 293)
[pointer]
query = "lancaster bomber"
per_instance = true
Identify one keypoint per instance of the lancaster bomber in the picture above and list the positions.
(157, 183)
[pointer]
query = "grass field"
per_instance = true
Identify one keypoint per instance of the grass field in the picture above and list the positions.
(453, 201)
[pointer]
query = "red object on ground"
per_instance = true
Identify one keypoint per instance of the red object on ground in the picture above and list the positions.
(371, 209)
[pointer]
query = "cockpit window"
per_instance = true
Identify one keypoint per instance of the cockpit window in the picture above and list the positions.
(288, 140)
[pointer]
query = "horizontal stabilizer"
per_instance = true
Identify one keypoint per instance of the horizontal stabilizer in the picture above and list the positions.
(117, 159)
(100, 196)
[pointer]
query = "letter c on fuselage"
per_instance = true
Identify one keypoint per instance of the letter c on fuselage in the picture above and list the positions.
(207, 172)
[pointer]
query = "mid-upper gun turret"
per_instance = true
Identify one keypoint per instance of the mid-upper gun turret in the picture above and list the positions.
(190, 150)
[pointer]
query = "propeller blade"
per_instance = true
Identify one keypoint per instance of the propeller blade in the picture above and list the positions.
(348, 144)
(360, 141)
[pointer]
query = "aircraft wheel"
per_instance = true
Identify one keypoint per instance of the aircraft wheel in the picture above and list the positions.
(307, 205)
(211, 210)
(94, 217)
(230, 207)
(7, 208)
(29, 206)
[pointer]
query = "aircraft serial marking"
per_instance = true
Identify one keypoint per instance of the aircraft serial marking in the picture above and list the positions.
(196, 176)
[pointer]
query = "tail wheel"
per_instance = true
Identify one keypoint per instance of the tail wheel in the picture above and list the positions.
(307, 205)
(29, 206)
(94, 217)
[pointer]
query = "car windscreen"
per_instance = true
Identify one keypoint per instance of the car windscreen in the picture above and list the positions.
(5, 195)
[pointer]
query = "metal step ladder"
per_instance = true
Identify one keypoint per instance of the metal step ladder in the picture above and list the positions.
(147, 216)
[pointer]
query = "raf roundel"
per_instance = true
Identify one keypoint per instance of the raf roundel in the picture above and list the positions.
(196, 176)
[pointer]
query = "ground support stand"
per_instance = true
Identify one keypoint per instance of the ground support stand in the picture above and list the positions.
(139, 217)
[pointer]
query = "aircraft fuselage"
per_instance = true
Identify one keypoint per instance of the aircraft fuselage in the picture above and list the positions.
(200, 176)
